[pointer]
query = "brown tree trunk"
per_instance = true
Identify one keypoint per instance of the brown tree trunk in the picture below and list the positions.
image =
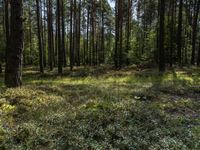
(71, 36)
(179, 34)
(60, 52)
(161, 36)
(50, 35)
(7, 25)
(13, 75)
(39, 37)
(63, 34)
(194, 32)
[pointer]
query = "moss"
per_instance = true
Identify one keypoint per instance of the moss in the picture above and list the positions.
(102, 109)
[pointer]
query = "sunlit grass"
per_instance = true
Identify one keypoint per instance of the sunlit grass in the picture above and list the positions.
(92, 108)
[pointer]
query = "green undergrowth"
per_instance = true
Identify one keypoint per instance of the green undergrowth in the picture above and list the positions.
(100, 108)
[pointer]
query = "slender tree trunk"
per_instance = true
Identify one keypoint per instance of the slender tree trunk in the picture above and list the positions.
(102, 33)
(13, 75)
(93, 32)
(172, 32)
(128, 30)
(7, 25)
(120, 15)
(30, 38)
(116, 34)
(194, 32)
(179, 34)
(60, 52)
(39, 38)
(1, 68)
(198, 57)
(71, 36)
(75, 31)
(161, 37)
(44, 33)
(79, 34)
(87, 40)
(63, 35)
(50, 35)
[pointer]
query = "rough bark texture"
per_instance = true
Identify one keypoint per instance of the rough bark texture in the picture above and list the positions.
(13, 75)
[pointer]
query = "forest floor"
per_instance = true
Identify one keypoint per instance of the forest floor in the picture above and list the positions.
(102, 109)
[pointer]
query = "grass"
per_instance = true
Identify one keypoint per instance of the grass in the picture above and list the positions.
(92, 108)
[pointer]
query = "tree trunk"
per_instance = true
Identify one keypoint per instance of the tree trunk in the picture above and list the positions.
(116, 34)
(172, 32)
(13, 75)
(7, 25)
(179, 34)
(60, 52)
(194, 32)
(30, 38)
(39, 37)
(50, 35)
(161, 37)
(63, 34)
(71, 36)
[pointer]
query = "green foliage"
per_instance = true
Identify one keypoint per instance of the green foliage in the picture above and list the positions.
(102, 109)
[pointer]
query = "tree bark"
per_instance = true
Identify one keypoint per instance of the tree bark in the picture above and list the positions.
(50, 35)
(13, 75)
(179, 34)
(60, 52)
(194, 32)
(39, 37)
(161, 36)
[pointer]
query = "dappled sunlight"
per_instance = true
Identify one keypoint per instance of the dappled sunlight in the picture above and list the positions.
(127, 106)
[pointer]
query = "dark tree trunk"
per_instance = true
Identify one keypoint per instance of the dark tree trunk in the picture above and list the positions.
(120, 15)
(128, 30)
(79, 34)
(39, 37)
(75, 31)
(116, 34)
(198, 57)
(71, 36)
(102, 38)
(161, 37)
(60, 52)
(0, 68)
(50, 35)
(194, 33)
(93, 32)
(87, 40)
(172, 32)
(44, 37)
(13, 75)
(63, 35)
(7, 25)
(179, 34)
(30, 38)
